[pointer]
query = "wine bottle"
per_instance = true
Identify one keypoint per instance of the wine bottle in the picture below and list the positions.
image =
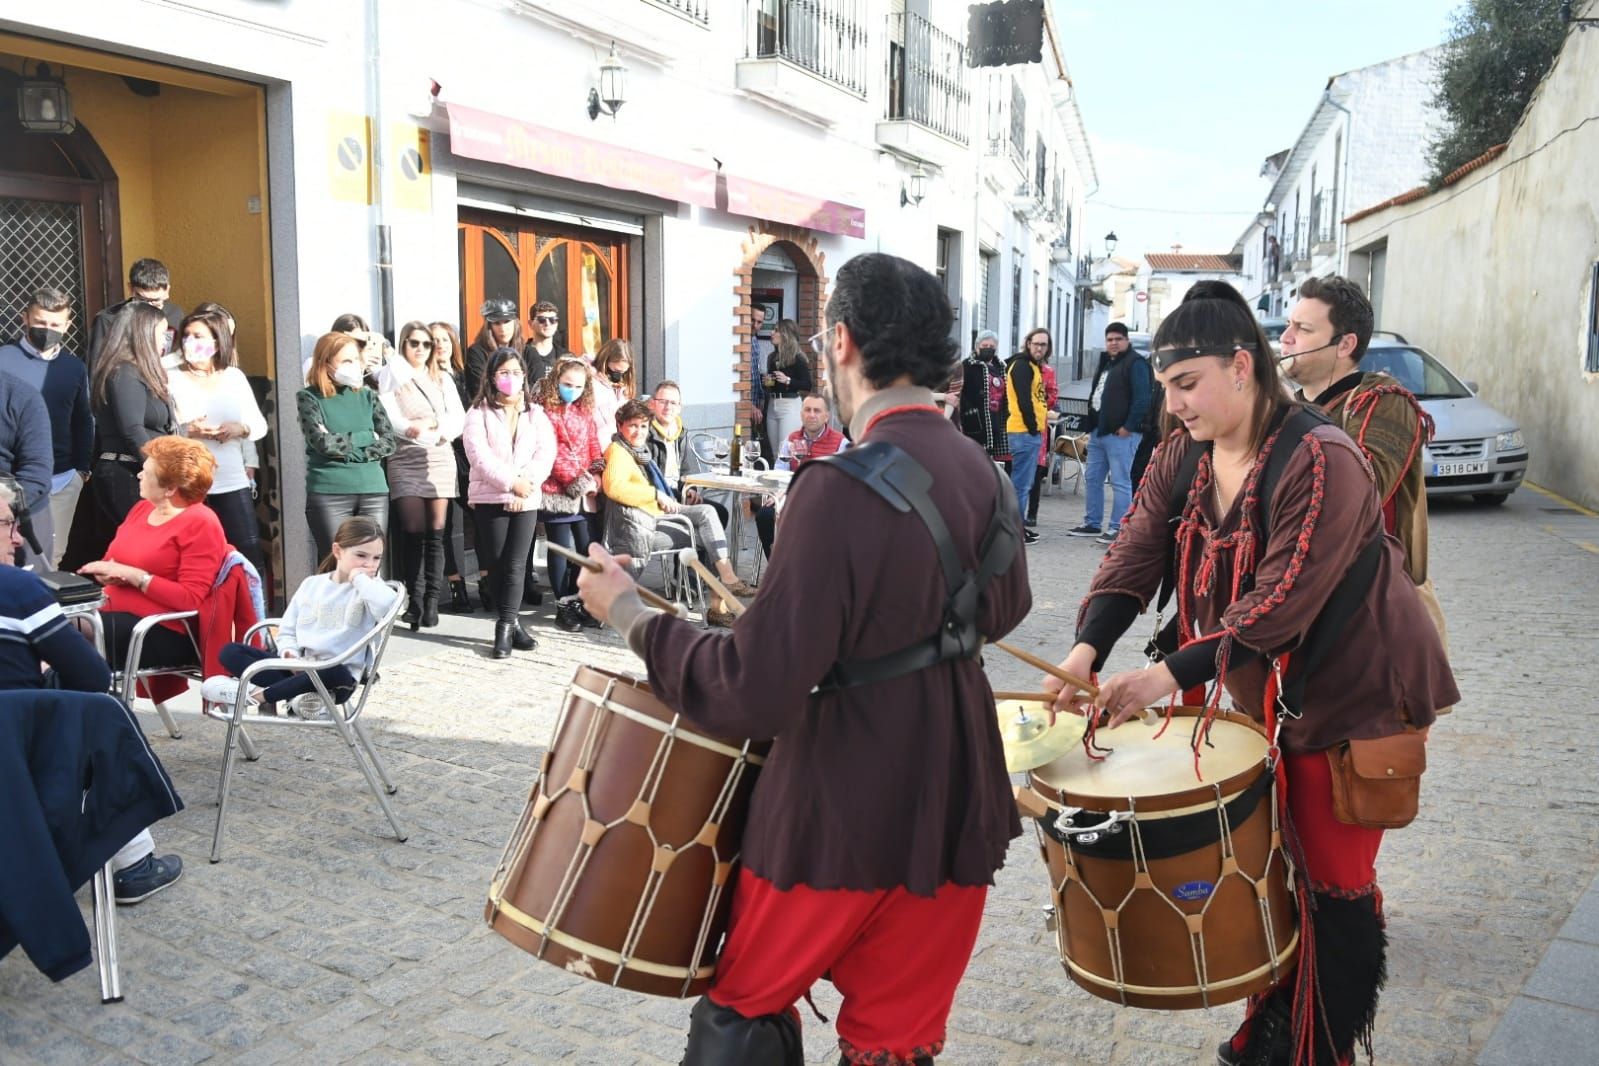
(735, 458)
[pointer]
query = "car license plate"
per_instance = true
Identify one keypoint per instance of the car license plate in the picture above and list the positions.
(1458, 469)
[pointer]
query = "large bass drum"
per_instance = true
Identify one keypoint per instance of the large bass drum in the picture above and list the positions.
(1171, 888)
(621, 868)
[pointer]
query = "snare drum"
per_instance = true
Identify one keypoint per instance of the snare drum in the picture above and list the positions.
(621, 868)
(1170, 891)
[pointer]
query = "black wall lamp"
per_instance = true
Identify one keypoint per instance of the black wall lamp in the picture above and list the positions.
(1110, 244)
(612, 92)
(43, 103)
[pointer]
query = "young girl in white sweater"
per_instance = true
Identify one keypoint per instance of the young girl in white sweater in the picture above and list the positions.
(330, 612)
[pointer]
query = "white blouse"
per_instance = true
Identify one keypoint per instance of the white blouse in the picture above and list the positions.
(217, 398)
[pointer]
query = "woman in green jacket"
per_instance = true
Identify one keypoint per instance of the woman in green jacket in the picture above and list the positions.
(347, 437)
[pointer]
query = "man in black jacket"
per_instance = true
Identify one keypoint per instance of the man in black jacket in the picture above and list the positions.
(149, 282)
(543, 350)
(983, 411)
(1117, 407)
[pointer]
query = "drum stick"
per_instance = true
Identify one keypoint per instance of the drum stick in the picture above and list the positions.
(1090, 690)
(689, 557)
(1026, 697)
(651, 598)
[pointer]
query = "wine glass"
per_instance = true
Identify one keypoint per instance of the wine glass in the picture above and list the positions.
(800, 450)
(720, 448)
(785, 454)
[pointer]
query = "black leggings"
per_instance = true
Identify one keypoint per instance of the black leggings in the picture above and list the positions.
(504, 539)
(162, 646)
(236, 512)
(326, 511)
(569, 531)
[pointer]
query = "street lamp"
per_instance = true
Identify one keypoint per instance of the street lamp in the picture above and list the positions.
(918, 187)
(1110, 244)
(612, 92)
(43, 103)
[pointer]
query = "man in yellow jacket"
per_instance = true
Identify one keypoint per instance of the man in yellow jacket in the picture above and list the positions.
(1029, 416)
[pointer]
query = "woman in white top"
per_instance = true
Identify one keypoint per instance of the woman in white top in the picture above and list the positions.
(422, 403)
(510, 445)
(215, 405)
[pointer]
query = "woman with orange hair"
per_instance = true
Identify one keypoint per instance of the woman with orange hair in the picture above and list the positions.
(165, 555)
(347, 437)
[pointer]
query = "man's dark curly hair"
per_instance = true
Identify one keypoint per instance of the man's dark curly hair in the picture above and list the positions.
(899, 316)
(1351, 311)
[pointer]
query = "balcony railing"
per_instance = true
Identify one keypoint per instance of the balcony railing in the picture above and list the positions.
(825, 37)
(1321, 214)
(694, 10)
(927, 77)
(1018, 121)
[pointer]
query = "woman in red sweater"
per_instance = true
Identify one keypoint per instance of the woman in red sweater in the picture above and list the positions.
(165, 555)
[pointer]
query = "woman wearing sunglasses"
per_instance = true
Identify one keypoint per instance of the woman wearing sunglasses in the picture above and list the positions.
(425, 409)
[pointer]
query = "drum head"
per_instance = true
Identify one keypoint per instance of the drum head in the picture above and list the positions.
(1144, 766)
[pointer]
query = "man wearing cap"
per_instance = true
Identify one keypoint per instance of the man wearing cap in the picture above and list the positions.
(1116, 410)
(982, 408)
(500, 330)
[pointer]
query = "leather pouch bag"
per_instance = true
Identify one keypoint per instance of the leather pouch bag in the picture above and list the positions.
(1377, 783)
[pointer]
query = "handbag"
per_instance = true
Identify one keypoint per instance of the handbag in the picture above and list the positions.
(1376, 783)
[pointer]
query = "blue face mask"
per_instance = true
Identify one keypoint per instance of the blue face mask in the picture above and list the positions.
(570, 393)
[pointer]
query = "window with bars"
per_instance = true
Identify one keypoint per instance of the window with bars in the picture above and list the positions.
(1016, 300)
(927, 81)
(1591, 358)
(825, 37)
(41, 245)
(988, 263)
(1041, 171)
(1018, 120)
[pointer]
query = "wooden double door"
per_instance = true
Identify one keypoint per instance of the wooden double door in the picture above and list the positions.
(583, 272)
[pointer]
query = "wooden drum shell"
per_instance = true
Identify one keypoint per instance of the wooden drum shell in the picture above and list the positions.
(621, 869)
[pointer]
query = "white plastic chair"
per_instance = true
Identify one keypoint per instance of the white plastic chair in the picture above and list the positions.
(345, 717)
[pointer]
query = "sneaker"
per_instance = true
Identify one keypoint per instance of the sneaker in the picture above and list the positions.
(1084, 531)
(566, 619)
(584, 619)
(717, 618)
(1106, 537)
(222, 690)
(311, 708)
(1030, 523)
(137, 883)
(1031, 536)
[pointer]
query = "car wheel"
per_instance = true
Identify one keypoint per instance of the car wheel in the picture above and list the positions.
(1491, 499)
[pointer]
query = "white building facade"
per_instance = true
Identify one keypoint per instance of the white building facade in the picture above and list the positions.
(1366, 141)
(408, 161)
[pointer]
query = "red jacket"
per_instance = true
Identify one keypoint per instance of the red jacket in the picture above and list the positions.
(577, 445)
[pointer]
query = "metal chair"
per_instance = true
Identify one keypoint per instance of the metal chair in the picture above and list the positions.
(1065, 466)
(678, 583)
(345, 717)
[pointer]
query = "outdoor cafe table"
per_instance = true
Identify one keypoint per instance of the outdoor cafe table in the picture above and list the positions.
(765, 483)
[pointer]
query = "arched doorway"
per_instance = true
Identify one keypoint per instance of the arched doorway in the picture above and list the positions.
(777, 260)
(58, 223)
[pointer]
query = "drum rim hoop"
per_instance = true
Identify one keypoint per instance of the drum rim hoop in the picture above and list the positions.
(1200, 795)
(597, 952)
(682, 731)
(1173, 991)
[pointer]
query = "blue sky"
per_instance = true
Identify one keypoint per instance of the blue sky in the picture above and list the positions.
(1183, 100)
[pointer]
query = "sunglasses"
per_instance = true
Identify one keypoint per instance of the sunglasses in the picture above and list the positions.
(547, 320)
(426, 346)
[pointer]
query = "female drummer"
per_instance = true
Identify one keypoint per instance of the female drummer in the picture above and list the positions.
(1249, 587)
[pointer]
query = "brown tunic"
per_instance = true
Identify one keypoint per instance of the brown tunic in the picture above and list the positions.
(897, 783)
(1387, 669)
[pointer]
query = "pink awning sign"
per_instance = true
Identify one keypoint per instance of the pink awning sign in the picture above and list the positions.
(498, 139)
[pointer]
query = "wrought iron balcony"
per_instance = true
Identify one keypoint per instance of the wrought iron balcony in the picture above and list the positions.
(927, 81)
(825, 37)
(695, 10)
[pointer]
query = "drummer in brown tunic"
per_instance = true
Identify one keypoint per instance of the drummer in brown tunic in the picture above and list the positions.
(1292, 600)
(884, 807)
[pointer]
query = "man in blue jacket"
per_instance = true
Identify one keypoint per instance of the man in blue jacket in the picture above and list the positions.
(25, 455)
(40, 358)
(1117, 407)
(33, 633)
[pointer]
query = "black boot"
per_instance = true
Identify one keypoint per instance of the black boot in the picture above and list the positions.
(566, 618)
(502, 639)
(484, 595)
(521, 639)
(460, 602)
(411, 552)
(531, 596)
(721, 1036)
(432, 575)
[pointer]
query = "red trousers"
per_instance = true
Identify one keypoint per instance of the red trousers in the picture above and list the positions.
(896, 958)
(1340, 859)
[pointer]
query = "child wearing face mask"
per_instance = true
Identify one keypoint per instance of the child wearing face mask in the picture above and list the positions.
(215, 405)
(347, 437)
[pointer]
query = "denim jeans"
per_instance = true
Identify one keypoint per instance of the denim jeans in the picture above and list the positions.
(1110, 456)
(1024, 458)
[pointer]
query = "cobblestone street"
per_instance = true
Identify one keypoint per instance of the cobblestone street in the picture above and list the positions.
(319, 939)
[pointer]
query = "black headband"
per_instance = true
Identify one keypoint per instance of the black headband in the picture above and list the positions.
(1166, 357)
